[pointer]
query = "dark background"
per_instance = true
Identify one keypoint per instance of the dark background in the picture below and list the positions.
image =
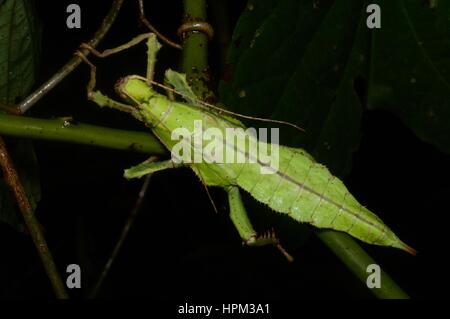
(179, 247)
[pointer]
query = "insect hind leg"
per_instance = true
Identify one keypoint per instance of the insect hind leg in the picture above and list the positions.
(240, 219)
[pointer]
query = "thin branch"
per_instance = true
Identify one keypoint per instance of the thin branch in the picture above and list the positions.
(28, 102)
(12, 179)
(144, 21)
(125, 230)
(68, 130)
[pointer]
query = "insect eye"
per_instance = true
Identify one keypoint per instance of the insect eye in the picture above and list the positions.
(119, 85)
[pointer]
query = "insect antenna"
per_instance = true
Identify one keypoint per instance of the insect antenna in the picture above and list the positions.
(222, 110)
(208, 193)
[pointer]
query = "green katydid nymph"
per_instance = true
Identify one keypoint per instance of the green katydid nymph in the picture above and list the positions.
(299, 186)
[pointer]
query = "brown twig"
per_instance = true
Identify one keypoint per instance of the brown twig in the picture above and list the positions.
(12, 180)
(144, 21)
(29, 101)
(125, 230)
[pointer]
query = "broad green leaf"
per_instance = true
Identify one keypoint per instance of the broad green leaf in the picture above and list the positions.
(302, 60)
(19, 52)
(298, 61)
(19, 43)
(410, 72)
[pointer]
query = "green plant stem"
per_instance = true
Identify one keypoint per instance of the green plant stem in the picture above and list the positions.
(345, 247)
(65, 130)
(194, 60)
(12, 179)
(29, 101)
(357, 260)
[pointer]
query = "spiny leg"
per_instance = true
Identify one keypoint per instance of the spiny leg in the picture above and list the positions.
(240, 220)
(148, 167)
(101, 99)
(108, 52)
(152, 45)
(98, 97)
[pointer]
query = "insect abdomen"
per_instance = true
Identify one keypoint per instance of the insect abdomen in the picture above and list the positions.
(308, 192)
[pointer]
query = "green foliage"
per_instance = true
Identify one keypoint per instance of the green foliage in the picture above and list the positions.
(20, 43)
(315, 63)
(280, 70)
(410, 67)
(19, 40)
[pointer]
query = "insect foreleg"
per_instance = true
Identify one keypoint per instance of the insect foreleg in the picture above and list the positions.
(101, 99)
(153, 47)
(119, 48)
(149, 167)
(152, 44)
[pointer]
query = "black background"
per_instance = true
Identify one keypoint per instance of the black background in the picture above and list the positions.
(179, 247)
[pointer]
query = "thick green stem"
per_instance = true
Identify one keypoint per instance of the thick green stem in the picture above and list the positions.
(65, 130)
(194, 61)
(345, 247)
(357, 260)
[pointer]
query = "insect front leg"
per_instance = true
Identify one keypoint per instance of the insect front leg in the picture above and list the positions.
(101, 99)
(240, 219)
(127, 45)
(152, 45)
(148, 167)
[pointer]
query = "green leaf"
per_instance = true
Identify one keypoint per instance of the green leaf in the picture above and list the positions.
(19, 43)
(298, 61)
(410, 72)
